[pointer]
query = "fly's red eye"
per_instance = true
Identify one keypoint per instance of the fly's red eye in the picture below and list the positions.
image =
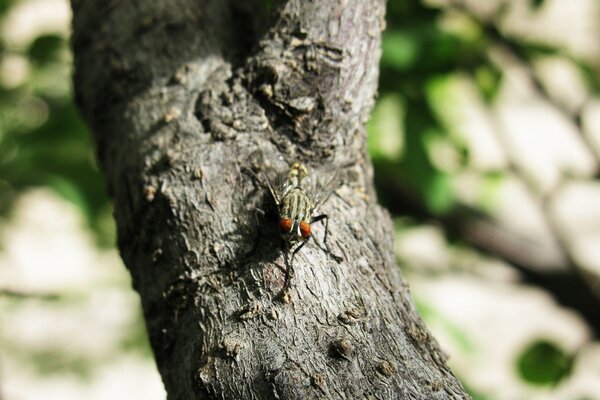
(285, 225)
(305, 229)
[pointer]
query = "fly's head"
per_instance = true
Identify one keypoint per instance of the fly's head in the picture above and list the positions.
(294, 230)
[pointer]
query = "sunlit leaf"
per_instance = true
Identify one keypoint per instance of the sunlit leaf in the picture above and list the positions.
(439, 194)
(540, 49)
(488, 79)
(385, 137)
(490, 190)
(68, 190)
(58, 361)
(433, 185)
(400, 50)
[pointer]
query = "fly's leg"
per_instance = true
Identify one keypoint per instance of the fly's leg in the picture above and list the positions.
(286, 250)
(327, 249)
(289, 270)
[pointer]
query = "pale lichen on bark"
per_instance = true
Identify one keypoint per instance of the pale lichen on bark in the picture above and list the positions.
(181, 97)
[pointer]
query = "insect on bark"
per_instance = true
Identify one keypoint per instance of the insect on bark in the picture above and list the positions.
(297, 196)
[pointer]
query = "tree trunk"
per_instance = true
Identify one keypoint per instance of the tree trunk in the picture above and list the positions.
(181, 96)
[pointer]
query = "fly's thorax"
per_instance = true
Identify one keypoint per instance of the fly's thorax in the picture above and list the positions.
(297, 173)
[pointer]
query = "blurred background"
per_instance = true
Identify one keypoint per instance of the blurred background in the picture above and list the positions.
(486, 145)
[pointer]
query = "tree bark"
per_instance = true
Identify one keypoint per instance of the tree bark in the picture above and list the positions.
(181, 96)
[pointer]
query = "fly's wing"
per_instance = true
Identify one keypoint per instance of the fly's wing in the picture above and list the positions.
(274, 176)
(323, 183)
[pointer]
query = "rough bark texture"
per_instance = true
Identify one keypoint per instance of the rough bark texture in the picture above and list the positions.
(181, 96)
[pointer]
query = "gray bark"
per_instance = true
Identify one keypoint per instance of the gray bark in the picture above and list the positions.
(181, 96)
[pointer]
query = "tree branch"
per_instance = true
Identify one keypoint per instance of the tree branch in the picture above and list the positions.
(180, 106)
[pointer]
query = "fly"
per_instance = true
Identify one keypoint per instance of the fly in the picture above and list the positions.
(297, 197)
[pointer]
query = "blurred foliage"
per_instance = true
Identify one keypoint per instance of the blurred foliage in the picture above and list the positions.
(418, 55)
(43, 141)
(426, 50)
(415, 142)
(544, 363)
(56, 361)
(47, 357)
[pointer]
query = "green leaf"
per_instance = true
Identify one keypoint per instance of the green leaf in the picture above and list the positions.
(488, 79)
(400, 50)
(590, 75)
(439, 195)
(68, 191)
(544, 363)
(492, 182)
(56, 361)
(537, 4)
(433, 185)
(57, 154)
(45, 49)
(5, 5)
